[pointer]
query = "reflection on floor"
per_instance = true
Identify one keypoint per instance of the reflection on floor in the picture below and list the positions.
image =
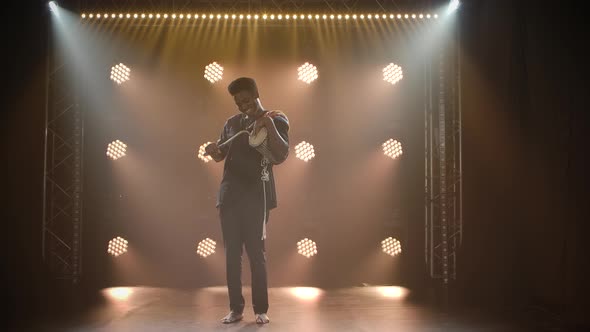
(291, 309)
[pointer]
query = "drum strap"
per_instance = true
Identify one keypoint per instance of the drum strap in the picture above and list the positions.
(265, 177)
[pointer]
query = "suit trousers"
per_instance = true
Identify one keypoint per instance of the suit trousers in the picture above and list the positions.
(241, 225)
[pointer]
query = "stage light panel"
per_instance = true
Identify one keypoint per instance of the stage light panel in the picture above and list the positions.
(392, 148)
(116, 150)
(201, 154)
(304, 151)
(206, 248)
(307, 248)
(393, 73)
(213, 72)
(120, 73)
(307, 73)
(117, 246)
(391, 246)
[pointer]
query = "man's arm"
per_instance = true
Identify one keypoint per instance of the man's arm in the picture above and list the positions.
(213, 149)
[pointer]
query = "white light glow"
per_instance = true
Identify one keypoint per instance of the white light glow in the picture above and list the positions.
(201, 154)
(393, 73)
(306, 293)
(213, 72)
(395, 292)
(206, 248)
(307, 73)
(304, 151)
(120, 73)
(52, 6)
(391, 246)
(307, 248)
(119, 293)
(453, 6)
(116, 150)
(392, 148)
(117, 246)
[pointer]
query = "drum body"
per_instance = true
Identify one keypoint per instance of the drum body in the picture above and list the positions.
(260, 143)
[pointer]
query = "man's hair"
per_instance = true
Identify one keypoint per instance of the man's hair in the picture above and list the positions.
(241, 84)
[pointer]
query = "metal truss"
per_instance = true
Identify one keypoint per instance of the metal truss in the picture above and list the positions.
(253, 5)
(443, 168)
(62, 186)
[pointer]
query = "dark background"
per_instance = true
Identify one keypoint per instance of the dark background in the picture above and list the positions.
(524, 141)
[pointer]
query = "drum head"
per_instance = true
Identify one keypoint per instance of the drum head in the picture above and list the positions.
(256, 140)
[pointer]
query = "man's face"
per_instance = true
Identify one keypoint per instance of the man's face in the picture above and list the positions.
(246, 102)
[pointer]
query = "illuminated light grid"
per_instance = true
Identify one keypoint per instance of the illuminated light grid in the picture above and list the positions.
(304, 151)
(213, 72)
(201, 153)
(120, 73)
(264, 16)
(392, 148)
(391, 246)
(392, 73)
(307, 248)
(117, 246)
(307, 73)
(206, 248)
(116, 150)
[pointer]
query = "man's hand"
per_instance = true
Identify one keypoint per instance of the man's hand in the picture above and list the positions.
(214, 151)
(264, 121)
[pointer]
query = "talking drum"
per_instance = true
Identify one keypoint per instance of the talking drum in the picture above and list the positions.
(259, 141)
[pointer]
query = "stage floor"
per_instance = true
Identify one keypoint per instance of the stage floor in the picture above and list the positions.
(291, 309)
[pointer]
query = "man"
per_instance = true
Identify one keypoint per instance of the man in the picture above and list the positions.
(244, 199)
